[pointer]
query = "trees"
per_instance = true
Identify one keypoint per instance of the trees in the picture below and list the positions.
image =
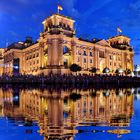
(106, 70)
(119, 71)
(93, 70)
(128, 71)
(75, 68)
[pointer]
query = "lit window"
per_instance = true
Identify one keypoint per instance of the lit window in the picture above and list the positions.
(84, 104)
(37, 54)
(101, 54)
(85, 53)
(90, 53)
(85, 60)
(90, 60)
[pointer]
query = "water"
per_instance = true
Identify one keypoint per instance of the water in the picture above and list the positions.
(50, 114)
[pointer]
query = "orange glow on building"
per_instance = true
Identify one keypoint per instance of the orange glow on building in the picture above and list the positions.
(58, 47)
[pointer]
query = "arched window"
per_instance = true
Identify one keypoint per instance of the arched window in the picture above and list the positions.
(65, 50)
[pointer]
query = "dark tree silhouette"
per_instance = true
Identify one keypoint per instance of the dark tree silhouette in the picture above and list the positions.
(106, 70)
(93, 70)
(75, 68)
(117, 71)
(128, 71)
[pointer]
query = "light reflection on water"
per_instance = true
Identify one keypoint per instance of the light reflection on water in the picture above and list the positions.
(46, 114)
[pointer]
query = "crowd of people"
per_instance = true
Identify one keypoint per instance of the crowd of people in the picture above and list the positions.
(70, 79)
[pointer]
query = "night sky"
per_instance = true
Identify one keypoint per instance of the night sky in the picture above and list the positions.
(94, 19)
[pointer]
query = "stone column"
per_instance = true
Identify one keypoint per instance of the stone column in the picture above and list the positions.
(73, 52)
(49, 43)
(55, 50)
(60, 52)
(96, 58)
(41, 53)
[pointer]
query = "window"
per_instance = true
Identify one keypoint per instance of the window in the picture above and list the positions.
(33, 55)
(110, 57)
(85, 53)
(90, 60)
(85, 60)
(90, 53)
(27, 58)
(79, 52)
(84, 104)
(101, 54)
(90, 103)
(37, 54)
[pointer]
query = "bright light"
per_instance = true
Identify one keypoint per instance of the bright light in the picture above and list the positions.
(16, 67)
(121, 71)
(137, 68)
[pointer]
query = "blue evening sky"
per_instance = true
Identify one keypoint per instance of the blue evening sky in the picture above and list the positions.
(94, 19)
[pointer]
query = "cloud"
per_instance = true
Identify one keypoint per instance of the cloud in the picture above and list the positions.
(69, 5)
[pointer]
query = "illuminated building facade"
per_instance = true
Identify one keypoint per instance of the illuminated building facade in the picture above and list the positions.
(58, 47)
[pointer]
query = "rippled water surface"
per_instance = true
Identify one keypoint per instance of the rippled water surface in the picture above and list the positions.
(69, 114)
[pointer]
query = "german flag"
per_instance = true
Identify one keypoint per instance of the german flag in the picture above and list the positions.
(59, 8)
(119, 30)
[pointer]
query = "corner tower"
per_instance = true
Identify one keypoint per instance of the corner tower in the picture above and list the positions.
(122, 43)
(56, 40)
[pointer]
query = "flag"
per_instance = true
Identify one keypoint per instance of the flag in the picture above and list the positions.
(59, 8)
(119, 30)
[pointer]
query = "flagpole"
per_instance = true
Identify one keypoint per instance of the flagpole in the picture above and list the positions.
(57, 10)
(57, 7)
(117, 32)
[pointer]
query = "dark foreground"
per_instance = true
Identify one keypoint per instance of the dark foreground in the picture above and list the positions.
(71, 79)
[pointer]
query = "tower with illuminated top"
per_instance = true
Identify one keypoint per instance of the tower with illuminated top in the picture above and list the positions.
(58, 47)
(56, 41)
(122, 42)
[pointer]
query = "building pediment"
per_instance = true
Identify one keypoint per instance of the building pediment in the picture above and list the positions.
(103, 43)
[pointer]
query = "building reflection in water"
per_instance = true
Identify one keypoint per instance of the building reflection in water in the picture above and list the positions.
(59, 112)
